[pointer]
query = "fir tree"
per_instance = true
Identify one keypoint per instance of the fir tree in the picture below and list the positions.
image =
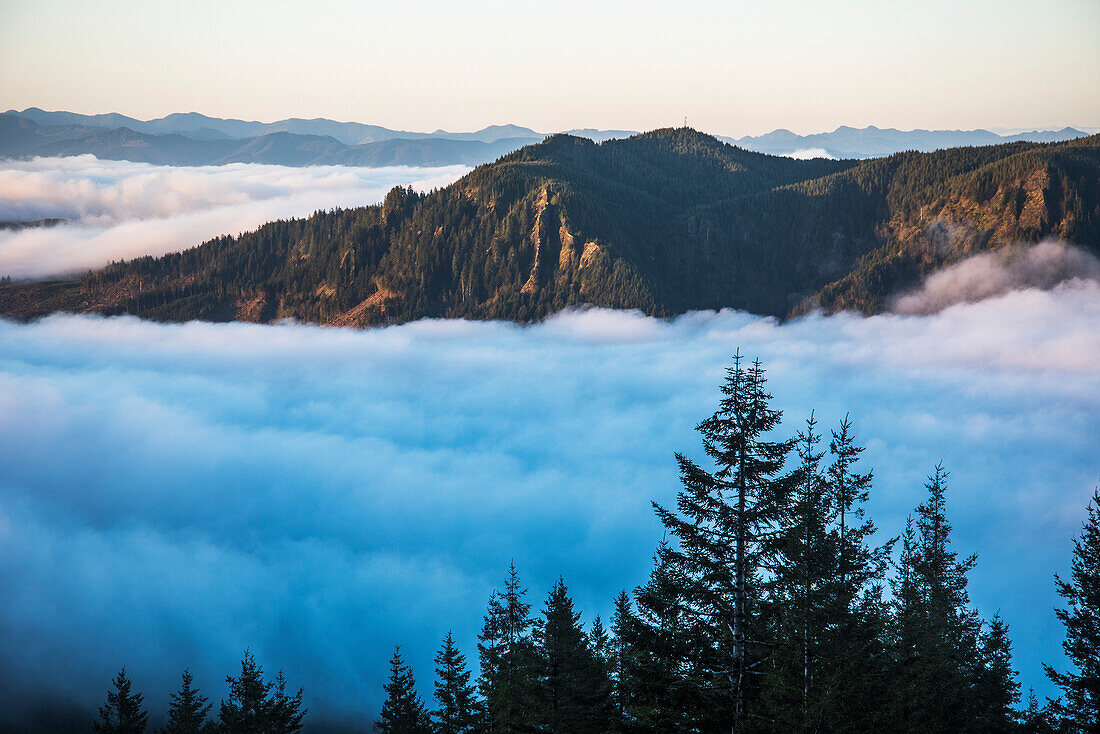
(722, 525)
(256, 706)
(286, 712)
(402, 712)
(997, 691)
(825, 586)
(858, 564)
(600, 642)
(672, 680)
(1035, 720)
(507, 657)
(1080, 709)
(803, 562)
(123, 712)
(621, 660)
(908, 630)
(574, 693)
(943, 663)
(856, 615)
(187, 710)
(458, 711)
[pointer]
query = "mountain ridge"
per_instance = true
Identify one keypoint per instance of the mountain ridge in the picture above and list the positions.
(665, 222)
(23, 138)
(373, 145)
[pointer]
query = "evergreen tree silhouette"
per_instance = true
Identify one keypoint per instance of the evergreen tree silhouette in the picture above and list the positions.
(459, 710)
(402, 712)
(1080, 709)
(187, 710)
(123, 712)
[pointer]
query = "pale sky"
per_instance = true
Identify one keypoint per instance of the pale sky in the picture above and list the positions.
(732, 68)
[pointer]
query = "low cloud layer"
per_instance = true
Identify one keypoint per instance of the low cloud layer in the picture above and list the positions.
(171, 494)
(994, 273)
(118, 209)
(805, 154)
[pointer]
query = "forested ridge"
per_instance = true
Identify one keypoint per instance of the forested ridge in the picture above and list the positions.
(664, 222)
(773, 605)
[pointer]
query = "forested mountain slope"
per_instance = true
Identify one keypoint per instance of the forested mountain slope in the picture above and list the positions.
(665, 222)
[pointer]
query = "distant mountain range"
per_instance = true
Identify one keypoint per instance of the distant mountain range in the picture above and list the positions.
(874, 142)
(194, 125)
(194, 139)
(21, 137)
(665, 222)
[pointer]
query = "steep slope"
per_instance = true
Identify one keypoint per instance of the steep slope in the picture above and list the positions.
(664, 222)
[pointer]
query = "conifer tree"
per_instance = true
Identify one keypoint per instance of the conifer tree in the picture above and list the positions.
(600, 642)
(286, 712)
(123, 712)
(997, 691)
(858, 563)
(940, 658)
(573, 692)
(507, 657)
(802, 563)
(402, 712)
(907, 632)
(856, 655)
(257, 706)
(1035, 720)
(621, 660)
(458, 711)
(825, 585)
(671, 678)
(1080, 709)
(187, 710)
(722, 525)
(246, 709)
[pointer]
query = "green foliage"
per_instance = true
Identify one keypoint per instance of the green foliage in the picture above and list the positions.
(828, 659)
(623, 663)
(663, 222)
(723, 528)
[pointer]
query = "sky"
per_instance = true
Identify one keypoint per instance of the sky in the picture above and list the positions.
(731, 68)
(173, 494)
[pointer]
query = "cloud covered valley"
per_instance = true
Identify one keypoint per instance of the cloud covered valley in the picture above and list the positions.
(173, 494)
(115, 210)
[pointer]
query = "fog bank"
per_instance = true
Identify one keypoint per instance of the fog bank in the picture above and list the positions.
(118, 210)
(171, 494)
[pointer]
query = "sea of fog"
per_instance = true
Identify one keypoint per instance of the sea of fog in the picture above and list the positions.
(116, 210)
(173, 494)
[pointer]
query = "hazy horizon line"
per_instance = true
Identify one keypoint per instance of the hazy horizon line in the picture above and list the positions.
(997, 130)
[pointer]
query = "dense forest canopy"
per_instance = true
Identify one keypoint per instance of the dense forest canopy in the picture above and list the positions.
(665, 222)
